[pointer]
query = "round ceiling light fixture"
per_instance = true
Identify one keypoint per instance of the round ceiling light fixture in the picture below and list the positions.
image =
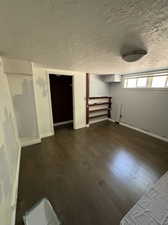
(134, 55)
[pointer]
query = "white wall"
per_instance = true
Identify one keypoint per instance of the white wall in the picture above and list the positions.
(9, 154)
(43, 99)
(22, 91)
(98, 87)
(20, 80)
(145, 109)
(79, 100)
(16, 66)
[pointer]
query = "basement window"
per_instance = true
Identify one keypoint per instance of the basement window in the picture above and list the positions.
(142, 82)
(159, 82)
(131, 83)
(155, 81)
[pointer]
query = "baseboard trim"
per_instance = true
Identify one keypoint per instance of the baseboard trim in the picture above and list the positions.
(145, 132)
(111, 120)
(79, 127)
(47, 135)
(63, 123)
(15, 190)
(29, 142)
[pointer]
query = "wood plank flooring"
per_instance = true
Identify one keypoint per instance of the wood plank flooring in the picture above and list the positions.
(91, 176)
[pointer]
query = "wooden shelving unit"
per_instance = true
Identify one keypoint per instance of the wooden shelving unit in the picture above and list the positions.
(96, 106)
(98, 97)
(98, 110)
(102, 103)
(96, 116)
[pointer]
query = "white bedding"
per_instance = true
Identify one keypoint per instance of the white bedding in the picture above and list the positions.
(152, 208)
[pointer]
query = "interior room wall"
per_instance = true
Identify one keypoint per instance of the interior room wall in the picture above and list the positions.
(42, 101)
(16, 66)
(20, 80)
(22, 91)
(145, 109)
(9, 154)
(79, 100)
(98, 87)
(43, 98)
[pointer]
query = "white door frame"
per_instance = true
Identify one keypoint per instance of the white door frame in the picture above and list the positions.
(79, 96)
(50, 101)
(67, 73)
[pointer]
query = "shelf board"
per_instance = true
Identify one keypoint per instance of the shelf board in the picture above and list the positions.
(101, 103)
(98, 110)
(96, 116)
(99, 97)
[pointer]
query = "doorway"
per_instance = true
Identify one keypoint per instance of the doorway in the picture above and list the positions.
(61, 99)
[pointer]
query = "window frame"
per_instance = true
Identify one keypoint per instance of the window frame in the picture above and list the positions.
(148, 84)
(167, 82)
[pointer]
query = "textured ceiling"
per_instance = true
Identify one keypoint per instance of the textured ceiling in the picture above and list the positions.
(85, 35)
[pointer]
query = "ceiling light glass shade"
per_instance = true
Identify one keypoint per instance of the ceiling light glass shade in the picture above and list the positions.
(134, 55)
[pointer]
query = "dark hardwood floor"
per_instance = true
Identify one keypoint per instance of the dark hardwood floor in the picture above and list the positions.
(91, 176)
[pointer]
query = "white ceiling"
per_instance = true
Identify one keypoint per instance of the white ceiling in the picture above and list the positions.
(85, 35)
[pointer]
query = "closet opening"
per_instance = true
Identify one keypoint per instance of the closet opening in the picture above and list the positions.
(61, 87)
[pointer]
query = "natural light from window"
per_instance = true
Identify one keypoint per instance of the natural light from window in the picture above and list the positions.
(142, 82)
(131, 83)
(147, 82)
(159, 81)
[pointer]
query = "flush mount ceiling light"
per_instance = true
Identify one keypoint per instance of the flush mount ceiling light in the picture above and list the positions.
(134, 55)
